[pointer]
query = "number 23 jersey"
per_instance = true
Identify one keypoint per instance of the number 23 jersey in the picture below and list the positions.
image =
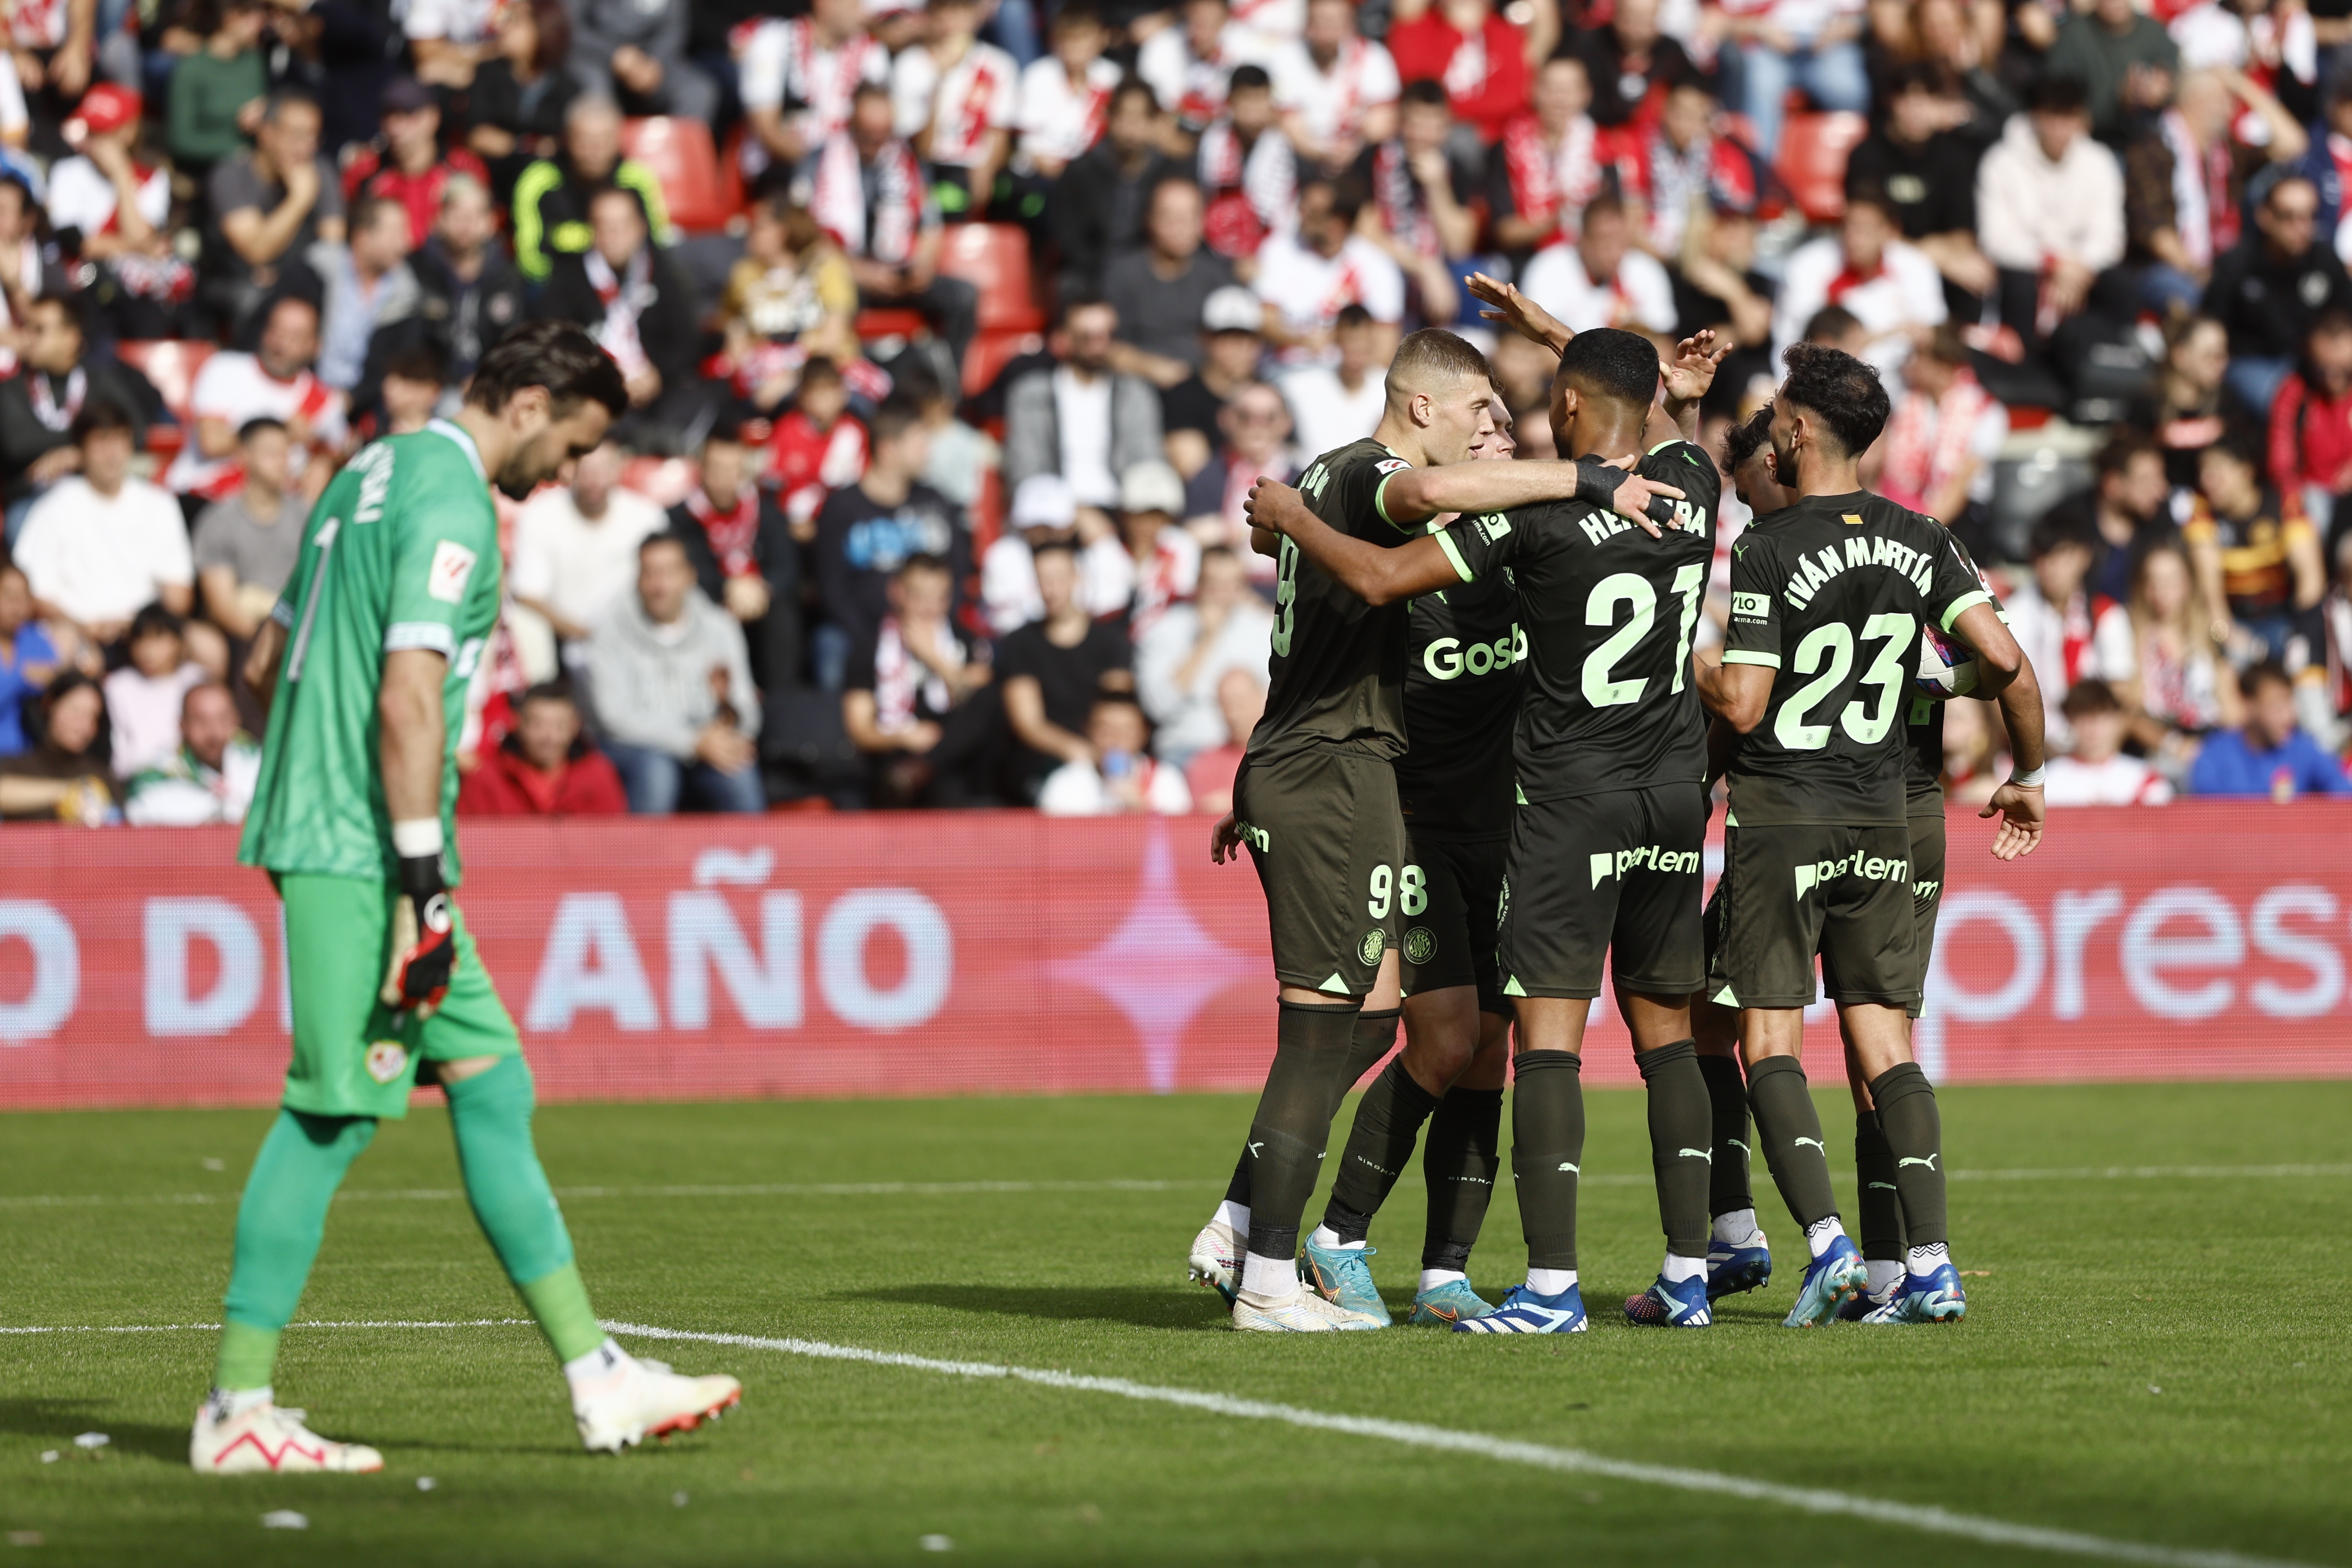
(1609, 613)
(1830, 594)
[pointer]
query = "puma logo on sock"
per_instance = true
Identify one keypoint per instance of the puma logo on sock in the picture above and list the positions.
(1929, 1161)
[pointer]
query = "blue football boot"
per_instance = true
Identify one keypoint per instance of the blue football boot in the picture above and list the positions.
(1681, 1305)
(1342, 1276)
(1933, 1298)
(1733, 1268)
(1449, 1303)
(1524, 1311)
(1829, 1279)
(1855, 1308)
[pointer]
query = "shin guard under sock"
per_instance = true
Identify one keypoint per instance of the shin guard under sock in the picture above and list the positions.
(1287, 1135)
(1790, 1131)
(280, 1222)
(1915, 1136)
(1727, 1189)
(1459, 1160)
(1378, 1146)
(1681, 1135)
(1878, 1207)
(1373, 1038)
(1546, 1150)
(490, 1114)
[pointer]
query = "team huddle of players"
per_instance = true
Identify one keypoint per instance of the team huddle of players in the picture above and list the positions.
(1484, 771)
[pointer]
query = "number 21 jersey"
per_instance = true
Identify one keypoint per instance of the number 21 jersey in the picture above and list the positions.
(1830, 594)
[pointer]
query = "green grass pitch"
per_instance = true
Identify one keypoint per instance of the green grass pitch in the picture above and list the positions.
(2150, 1359)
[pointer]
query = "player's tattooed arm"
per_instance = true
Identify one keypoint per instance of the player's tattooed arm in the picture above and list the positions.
(1375, 575)
(1520, 313)
(2009, 673)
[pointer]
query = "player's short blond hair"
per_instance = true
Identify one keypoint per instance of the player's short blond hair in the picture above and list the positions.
(1431, 360)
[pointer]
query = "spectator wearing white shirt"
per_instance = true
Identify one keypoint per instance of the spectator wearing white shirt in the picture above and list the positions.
(797, 80)
(100, 544)
(1081, 419)
(122, 208)
(1121, 777)
(1938, 454)
(1181, 663)
(1333, 405)
(1813, 44)
(450, 38)
(1186, 66)
(1336, 91)
(1307, 278)
(575, 550)
(2050, 208)
(2097, 773)
(1601, 280)
(144, 696)
(956, 101)
(1044, 512)
(1064, 97)
(209, 779)
(1871, 272)
(276, 383)
(2069, 633)
(1162, 560)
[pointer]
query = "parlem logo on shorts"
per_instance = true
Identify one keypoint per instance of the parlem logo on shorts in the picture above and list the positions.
(1870, 868)
(1418, 943)
(387, 1061)
(1375, 942)
(1617, 863)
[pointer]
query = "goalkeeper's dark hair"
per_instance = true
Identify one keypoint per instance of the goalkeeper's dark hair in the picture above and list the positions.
(1608, 362)
(1744, 440)
(1842, 393)
(557, 355)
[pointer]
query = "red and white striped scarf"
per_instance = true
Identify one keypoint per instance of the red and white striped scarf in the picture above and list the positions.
(1545, 181)
(838, 202)
(731, 533)
(625, 298)
(1398, 197)
(2202, 214)
(1927, 440)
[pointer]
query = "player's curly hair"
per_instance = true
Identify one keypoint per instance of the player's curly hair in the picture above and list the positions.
(1841, 390)
(557, 355)
(1606, 361)
(1743, 440)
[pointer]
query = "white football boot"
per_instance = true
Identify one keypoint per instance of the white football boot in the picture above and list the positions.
(1301, 1311)
(1215, 1259)
(266, 1439)
(635, 1399)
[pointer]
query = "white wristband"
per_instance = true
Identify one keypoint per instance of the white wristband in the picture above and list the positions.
(418, 836)
(2028, 780)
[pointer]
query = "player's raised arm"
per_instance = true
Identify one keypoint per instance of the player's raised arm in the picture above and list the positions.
(1688, 376)
(1520, 313)
(1414, 495)
(1375, 575)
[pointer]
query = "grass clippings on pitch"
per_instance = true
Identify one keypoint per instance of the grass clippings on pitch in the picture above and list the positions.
(2149, 1358)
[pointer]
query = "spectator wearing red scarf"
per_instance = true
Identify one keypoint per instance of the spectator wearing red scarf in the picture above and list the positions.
(410, 167)
(1481, 59)
(743, 555)
(546, 767)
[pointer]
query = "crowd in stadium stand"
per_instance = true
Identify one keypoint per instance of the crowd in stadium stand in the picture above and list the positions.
(956, 331)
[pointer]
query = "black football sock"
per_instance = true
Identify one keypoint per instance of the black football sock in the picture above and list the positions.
(1681, 1125)
(1790, 1131)
(1237, 1191)
(1915, 1136)
(1379, 1147)
(1459, 1160)
(1727, 1186)
(1294, 1122)
(1375, 1037)
(1547, 1149)
(1880, 1210)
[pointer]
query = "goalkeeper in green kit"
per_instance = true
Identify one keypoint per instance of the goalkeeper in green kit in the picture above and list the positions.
(364, 664)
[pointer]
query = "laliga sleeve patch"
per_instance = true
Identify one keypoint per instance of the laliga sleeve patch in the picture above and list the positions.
(453, 563)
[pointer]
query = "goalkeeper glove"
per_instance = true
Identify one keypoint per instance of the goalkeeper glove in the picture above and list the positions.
(424, 939)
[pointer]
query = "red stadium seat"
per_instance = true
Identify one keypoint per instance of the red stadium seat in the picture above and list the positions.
(172, 365)
(991, 352)
(681, 156)
(994, 259)
(1812, 161)
(889, 324)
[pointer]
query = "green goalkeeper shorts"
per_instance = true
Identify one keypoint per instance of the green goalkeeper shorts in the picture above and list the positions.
(352, 1055)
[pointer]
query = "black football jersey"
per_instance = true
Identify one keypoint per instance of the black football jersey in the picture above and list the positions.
(1463, 652)
(1337, 672)
(1830, 594)
(1609, 613)
(1923, 776)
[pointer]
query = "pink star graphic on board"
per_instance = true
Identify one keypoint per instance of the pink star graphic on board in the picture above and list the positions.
(1159, 967)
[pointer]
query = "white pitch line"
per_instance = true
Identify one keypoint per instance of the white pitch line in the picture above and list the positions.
(952, 1188)
(1930, 1520)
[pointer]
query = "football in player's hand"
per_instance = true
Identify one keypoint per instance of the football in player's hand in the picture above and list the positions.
(1947, 666)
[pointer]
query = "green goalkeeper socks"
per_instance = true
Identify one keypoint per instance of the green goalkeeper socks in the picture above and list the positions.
(280, 1222)
(490, 1113)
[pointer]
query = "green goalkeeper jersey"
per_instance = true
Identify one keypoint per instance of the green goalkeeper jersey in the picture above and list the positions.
(402, 552)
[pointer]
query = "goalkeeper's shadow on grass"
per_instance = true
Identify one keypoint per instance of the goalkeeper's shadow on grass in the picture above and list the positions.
(1143, 1306)
(57, 1422)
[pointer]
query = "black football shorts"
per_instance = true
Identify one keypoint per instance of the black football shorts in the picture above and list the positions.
(1452, 897)
(1927, 899)
(1327, 833)
(1791, 892)
(1613, 875)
